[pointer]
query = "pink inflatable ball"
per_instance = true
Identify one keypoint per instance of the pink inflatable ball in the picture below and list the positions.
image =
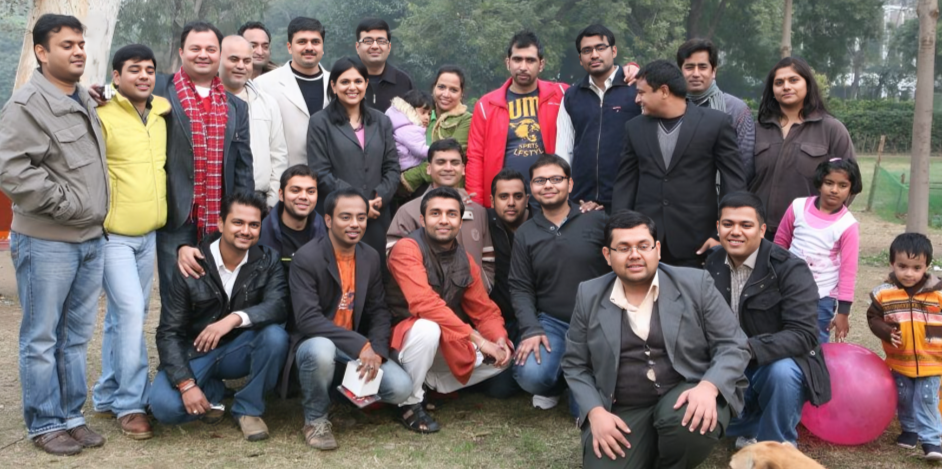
(863, 397)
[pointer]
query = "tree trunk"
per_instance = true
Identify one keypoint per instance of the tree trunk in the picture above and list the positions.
(99, 18)
(858, 65)
(786, 47)
(917, 217)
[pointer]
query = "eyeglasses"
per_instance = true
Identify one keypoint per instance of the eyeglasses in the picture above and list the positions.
(599, 48)
(368, 41)
(641, 248)
(553, 179)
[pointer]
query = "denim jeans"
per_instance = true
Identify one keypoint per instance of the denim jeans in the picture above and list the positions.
(168, 240)
(318, 359)
(58, 284)
(826, 308)
(129, 278)
(257, 353)
(918, 407)
(546, 378)
(774, 400)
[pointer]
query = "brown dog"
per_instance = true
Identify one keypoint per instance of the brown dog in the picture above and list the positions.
(772, 455)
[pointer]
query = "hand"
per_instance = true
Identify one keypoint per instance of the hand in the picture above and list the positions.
(209, 337)
(589, 206)
(707, 245)
(508, 348)
(369, 363)
(194, 401)
(187, 261)
(375, 206)
(896, 337)
(97, 93)
(495, 351)
(608, 433)
(532, 345)
(631, 72)
(701, 407)
(841, 326)
(470, 198)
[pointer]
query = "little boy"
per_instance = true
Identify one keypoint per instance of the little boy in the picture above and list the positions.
(905, 314)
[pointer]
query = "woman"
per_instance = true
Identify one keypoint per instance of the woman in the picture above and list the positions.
(351, 145)
(795, 134)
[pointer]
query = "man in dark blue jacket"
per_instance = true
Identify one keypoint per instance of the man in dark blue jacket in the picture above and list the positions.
(293, 221)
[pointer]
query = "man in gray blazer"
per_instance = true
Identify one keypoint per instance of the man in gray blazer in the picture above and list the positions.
(654, 357)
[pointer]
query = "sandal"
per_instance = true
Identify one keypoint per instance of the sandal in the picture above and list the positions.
(416, 419)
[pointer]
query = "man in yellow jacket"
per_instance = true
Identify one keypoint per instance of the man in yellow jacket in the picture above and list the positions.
(135, 133)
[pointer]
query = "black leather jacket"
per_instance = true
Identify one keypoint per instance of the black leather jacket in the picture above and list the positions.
(260, 291)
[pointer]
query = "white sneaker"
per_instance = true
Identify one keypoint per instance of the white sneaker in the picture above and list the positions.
(545, 402)
(742, 442)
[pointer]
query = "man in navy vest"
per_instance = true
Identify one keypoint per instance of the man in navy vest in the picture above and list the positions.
(591, 121)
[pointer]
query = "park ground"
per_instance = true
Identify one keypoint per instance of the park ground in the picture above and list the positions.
(477, 431)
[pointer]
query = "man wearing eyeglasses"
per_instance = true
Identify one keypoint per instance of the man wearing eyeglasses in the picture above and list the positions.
(374, 43)
(592, 117)
(654, 356)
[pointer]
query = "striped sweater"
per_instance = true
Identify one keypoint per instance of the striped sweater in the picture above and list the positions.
(919, 320)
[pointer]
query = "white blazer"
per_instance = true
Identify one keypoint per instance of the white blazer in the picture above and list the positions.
(283, 86)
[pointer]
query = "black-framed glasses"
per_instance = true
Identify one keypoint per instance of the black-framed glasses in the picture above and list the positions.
(554, 179)
(641, 248)
(368, 41)
(599, 48)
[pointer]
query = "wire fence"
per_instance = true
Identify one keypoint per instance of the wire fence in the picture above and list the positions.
(891, 197)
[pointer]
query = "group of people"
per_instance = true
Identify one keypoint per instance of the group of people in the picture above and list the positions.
(635, 238)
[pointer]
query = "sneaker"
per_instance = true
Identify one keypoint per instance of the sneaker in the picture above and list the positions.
(907, 440)
(742, 442)
(933, 452)
(253, 428)
(87, 437)
(135, 426)
(545, 402)
(58, 443)
(319, 436)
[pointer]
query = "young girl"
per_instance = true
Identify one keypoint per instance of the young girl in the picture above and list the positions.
(410, 115)
(823, 232)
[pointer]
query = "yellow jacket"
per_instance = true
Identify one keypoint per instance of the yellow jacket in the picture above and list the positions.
(136, 153)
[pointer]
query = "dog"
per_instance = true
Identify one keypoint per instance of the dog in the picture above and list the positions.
(772, 455)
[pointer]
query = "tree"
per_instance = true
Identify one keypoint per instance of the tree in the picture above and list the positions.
(786, 47)
(917, 218)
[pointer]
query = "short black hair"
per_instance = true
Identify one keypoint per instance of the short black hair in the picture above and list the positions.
(594, 30)
(242, 197)
(837, 164)
(254, 25)
(297, 170)
(336, 113)
(303, 23)
(627, 219)
(913, 245)
(199, 26)
(549, 159)
(662, 72)
(133, 53)
(445, 144)
(741, 199)
(524, 39)
(346, 192)
(418, 99)
(507, 174)
(450, 69)
(697, 45)
(442, 193)
(49, 24)
(372, 24)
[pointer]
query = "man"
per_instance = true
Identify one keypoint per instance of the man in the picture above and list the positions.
(223, 325)
(258, 36)
(449, 334)
(267, 135)
(208, 153)
(374, 43)
(446, 168)
(293, 222)
(775, 298)
(553, 252)
(509, 200)
(299, 86)
(697, 58)
(53, 169)
(340, 315)
(671, 157)
(653, 357)
(592, 118)
(135, 133)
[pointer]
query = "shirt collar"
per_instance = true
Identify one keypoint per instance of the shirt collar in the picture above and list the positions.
(749, 262)
(608, 81)
(619, 299)
(217, 257)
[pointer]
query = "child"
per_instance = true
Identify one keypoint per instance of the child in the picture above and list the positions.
(904, 313)
(410, 115)
(823, 232)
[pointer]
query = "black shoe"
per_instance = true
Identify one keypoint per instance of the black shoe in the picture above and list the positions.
(907, 440)
(416, 419)
(933, 452)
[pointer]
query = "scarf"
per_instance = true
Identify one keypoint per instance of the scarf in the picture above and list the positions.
(209, 135)
(712, 96)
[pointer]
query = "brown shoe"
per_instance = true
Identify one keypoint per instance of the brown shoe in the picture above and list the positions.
(253, 428)
(319, 436)
(136, 426)
(59, 443)
(86, 437)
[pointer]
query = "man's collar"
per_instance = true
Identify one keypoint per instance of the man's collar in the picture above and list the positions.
(749, 262)
(608, 81)
(619, 299)
(217, 257)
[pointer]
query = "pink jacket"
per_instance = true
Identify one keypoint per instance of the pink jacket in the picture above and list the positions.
(408, 133)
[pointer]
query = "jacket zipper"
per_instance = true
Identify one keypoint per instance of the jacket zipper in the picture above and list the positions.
(598, 146)
(912, 328)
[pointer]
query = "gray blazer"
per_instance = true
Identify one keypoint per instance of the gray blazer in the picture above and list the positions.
(703, 338)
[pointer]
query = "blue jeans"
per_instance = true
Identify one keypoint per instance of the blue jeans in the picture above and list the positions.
(546, 378)
(317, 359)
(826, 308)
(58, 284)
(257, 353)
(774, 400)
(129, 277)
(918, 407)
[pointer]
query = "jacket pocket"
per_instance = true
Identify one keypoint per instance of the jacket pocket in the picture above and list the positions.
(76, 148)
(764, 159)
(810, 156)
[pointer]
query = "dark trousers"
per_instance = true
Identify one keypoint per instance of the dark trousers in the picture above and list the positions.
(657, 438)
(168, 241)
(681, 259)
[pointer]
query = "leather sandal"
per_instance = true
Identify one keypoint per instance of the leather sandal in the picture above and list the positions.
(416, 419)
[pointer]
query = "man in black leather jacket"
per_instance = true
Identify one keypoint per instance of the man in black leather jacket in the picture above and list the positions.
(226, 324)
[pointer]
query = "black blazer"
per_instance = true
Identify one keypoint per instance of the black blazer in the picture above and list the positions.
(681, 198)
(237, 156)
(314, 283)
